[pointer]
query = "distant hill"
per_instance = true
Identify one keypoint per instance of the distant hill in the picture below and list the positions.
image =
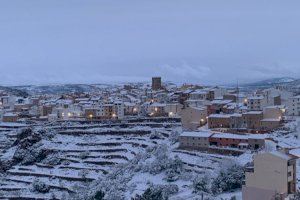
(272, 82)
(14, 91)
(60, 88)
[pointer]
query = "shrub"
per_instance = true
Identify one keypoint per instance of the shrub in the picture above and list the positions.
(40, 186)
(228, 179)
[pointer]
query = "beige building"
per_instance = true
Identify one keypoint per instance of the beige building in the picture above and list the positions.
(219, 121)
(256, 103)
(252, 119)
(194, 140)
(173, 109)
(10, 117)
(294, 106)
(274, 112)
(273, 173)
(193, 117)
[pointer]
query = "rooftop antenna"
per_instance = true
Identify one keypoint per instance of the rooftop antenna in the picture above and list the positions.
(237, 95)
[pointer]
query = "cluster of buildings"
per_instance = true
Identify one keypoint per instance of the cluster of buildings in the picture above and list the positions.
(218, 108)
(214, 119)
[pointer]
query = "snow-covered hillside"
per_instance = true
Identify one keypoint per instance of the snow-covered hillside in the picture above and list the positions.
(61, 161)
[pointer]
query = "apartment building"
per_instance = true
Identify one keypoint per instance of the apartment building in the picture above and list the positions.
(199, 95)
(219, 121)
(294, 106)
(256, 103)
(210, 140)
(193, 117)
(194, 140)
(131, 108)
(267, 120)
(273, 173)
(9, 117)
(157, 109)
(253, 142)
(217, 106)
(252, 119)
(173, 109)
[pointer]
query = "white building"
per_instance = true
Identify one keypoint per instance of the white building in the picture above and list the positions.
(256, 103)
(294, 106)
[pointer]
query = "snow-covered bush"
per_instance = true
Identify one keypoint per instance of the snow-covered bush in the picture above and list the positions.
(155, 135)
(296, 196)
(202, 184)
(39, 186)
(158, 192)
(174, 136)
(83, 173)
(99, 195)
(84, 155)
(52, 159)
(228, 179)
(31, 154)
(174, 169)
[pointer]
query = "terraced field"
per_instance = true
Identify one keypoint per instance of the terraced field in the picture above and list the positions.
(77, 156)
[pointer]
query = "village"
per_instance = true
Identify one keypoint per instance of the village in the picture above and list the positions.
(221, 121)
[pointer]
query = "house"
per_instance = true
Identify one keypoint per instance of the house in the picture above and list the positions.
(256, 103)
(198, 95)
(253, 142)
(273, 173)
(157, 109)
(294, 106)
(9, 117)
(131, 108)
(173, 109)
(252, 119)
(211, 140)
(193, 117)
(194, 140)
(219, 121)
(217, 106)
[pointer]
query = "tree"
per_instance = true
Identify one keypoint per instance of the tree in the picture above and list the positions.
(296, 196)
(228, 179)
(202, 184)
(40, 186)
(99, 195)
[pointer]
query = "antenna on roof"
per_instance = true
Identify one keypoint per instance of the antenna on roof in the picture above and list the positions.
(237, 95)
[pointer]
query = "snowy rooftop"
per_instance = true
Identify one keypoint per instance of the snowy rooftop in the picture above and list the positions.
(236, 136)
(196, 134)
(281, 155)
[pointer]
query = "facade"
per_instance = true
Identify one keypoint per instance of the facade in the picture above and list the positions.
(157, 109)
(193, 117)
(256, 103)
(219, 121)
(294, 106)
(209, 140)
(9, 117)
(273, 173)
(173, 109)
(253, 142)
(270, 119)
(194, 140)
(252, 119)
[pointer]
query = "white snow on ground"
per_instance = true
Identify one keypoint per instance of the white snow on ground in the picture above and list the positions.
(90, 156)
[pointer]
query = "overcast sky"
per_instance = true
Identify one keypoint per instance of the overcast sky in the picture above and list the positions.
(84, 41)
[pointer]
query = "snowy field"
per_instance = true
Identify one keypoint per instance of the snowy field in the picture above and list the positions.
(61, 162)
